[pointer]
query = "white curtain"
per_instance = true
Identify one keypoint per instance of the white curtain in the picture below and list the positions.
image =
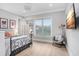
(23, 27)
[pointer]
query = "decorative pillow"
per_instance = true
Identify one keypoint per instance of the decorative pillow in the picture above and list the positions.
(8, 34)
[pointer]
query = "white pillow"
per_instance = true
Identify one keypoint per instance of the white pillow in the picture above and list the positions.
(59, 38)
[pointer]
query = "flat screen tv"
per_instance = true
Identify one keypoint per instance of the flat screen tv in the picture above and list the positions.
(71, 18)
(77, 21)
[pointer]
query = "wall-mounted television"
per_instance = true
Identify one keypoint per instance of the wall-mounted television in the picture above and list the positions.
(71, 18)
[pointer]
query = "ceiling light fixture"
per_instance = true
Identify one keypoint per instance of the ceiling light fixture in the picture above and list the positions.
(28, 7)
(50, 5)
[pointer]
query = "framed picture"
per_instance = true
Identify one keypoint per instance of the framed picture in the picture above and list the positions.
(71, 18)
(12, 24)
(3, 23)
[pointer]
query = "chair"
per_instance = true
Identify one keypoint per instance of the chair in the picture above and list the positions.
(59, 41)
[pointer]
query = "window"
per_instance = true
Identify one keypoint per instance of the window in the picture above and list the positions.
(42, 27)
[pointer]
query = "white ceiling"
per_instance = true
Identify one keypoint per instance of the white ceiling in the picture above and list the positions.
(25, 9)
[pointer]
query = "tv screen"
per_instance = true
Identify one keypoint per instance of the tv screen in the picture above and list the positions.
(77, 21)
(71, 18)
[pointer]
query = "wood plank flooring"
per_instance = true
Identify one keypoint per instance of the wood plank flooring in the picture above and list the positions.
(43, 49)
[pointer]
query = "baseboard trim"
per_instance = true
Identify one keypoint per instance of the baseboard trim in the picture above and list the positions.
(42, 41)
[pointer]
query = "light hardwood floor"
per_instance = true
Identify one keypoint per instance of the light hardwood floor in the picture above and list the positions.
(43, 49)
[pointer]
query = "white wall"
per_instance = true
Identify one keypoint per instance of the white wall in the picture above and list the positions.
(73, 42)
(57, 19)
(9, 16)
(2, 43)
(73, 36)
